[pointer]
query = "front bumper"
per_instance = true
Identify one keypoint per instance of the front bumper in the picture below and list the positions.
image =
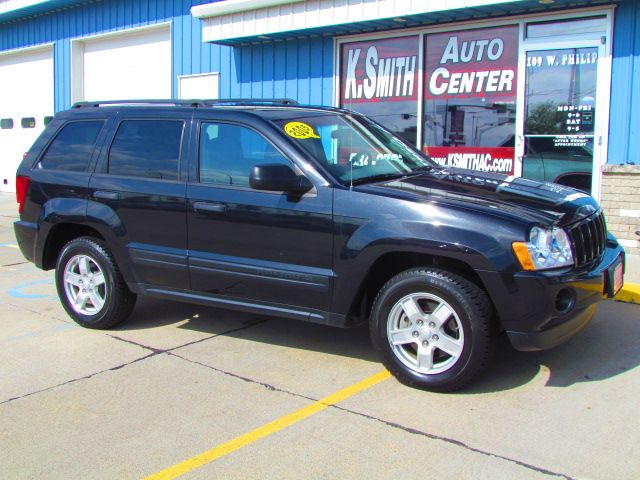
(539, 310)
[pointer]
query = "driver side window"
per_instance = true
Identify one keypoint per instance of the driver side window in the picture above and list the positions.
(228, 153)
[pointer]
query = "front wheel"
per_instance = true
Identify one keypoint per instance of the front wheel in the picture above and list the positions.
(432, 329)
(90, 286)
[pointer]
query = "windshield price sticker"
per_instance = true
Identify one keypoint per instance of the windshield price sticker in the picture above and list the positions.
(300, 130)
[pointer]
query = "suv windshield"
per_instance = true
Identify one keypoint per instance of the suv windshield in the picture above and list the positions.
(352, 148)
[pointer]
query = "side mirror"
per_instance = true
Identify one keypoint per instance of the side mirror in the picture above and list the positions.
(278, 178)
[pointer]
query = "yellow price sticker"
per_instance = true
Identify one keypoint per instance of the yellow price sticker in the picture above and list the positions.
(300, 130)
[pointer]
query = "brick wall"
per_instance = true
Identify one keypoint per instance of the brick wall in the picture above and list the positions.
(621, 204)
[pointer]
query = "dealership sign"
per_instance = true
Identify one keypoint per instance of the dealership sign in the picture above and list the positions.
(472, 64)
(482, 159)
(379, 70)
(470, 85)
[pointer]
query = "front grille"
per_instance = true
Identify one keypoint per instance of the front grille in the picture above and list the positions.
(589, 239)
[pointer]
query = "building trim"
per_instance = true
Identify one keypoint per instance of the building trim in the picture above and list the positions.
(23, 50)
(233, 19)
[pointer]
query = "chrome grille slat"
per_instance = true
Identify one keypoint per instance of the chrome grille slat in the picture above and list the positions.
(593, 245)
(589, 238)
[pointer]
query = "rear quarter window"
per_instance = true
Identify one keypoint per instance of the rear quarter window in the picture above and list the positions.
(72, 147)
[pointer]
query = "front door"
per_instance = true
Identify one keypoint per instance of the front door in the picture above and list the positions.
(255, 247)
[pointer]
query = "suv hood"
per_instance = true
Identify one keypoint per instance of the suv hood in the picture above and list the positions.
(521, 198)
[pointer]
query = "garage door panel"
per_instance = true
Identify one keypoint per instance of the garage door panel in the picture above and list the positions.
(26, 78)
(128, 66)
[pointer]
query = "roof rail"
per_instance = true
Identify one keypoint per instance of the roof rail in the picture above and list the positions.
(275, 101)
(188, 103)
(177, 103)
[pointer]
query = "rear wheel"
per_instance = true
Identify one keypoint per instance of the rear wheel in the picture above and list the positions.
(433, 329)
(90, 286)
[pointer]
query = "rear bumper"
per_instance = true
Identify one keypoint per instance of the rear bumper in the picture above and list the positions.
(26, 233)
(539, 310)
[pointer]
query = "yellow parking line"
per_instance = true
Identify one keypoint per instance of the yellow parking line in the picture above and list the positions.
(283, 422)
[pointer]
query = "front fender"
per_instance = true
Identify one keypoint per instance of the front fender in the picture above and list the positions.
(398, 226)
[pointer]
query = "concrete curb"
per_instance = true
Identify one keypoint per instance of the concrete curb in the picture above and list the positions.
(630, 293)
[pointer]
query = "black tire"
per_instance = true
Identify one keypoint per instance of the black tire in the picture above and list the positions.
(113, 301)
(416, 359)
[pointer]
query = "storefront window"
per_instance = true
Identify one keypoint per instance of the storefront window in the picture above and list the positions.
(470, 98)
(380, 79)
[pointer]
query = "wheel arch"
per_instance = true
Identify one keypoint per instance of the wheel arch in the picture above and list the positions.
(390, 264)
(59, 235)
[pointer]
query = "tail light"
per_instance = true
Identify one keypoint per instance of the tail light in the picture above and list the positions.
(22, 184)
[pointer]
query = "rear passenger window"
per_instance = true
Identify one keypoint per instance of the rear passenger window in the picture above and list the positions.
(72, 147)
(146, 148)
(228, 152)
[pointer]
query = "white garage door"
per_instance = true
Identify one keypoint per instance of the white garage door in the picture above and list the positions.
(26, 102)
(131, 65)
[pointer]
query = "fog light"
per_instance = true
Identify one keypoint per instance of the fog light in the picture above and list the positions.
(565, 300)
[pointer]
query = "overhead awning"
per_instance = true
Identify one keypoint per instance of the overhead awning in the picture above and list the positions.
(235, 22)
(11, 10)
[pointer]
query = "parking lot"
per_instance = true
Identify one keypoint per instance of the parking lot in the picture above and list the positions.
(204, 393)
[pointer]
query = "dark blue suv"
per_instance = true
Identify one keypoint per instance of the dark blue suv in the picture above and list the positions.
(309, 213)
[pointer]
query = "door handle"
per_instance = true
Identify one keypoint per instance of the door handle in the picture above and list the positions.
(209, 207)
(104, 195)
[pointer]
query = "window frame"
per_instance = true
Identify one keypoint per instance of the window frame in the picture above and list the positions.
(199, 129)
(104, 167)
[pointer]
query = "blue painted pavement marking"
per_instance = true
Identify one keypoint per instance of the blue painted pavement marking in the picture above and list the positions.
(17, 291)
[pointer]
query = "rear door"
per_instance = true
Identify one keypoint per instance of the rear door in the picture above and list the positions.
(139, 190)
(249, 245)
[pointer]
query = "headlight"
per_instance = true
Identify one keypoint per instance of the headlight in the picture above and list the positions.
(546, 248)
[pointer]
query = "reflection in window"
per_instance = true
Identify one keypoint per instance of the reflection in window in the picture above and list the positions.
(146, 148)
(469, 123)
(560, 91)
(594, 25)
(228, 153)
(72, 147)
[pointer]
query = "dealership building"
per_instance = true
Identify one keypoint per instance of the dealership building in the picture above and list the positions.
(545, 89)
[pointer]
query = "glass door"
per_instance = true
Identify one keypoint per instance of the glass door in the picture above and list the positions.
(559, 116)
(563, 102)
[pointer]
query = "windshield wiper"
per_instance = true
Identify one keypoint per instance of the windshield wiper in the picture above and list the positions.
(423, 168)
(380, 177)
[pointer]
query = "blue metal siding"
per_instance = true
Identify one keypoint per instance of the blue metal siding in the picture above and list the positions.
(301, 69)
(624, 125)
(298, 69)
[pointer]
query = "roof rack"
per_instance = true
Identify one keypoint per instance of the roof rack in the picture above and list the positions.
(188, 103)
(275, 101)
(177, 103)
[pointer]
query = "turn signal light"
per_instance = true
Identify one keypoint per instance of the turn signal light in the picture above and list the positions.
(523, 255)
